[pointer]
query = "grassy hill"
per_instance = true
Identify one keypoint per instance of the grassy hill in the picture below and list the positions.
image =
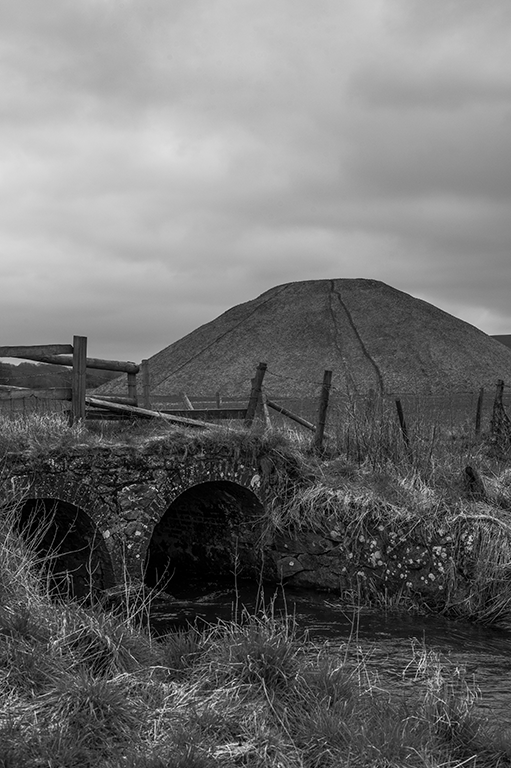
(369, 334)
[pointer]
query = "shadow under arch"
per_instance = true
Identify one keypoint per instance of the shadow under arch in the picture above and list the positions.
(72, 550)
(209, 533)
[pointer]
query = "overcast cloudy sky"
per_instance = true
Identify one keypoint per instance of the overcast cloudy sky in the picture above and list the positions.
(163, 160)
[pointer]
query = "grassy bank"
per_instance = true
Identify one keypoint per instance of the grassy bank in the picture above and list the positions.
(81, 687)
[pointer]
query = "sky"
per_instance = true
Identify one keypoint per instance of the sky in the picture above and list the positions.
(161, 162)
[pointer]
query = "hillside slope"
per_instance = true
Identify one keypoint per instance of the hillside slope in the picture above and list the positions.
(369, 334)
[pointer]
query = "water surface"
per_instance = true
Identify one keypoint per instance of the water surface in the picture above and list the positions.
(391, 645)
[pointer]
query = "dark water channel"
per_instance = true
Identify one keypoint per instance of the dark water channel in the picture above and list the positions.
(390, 645)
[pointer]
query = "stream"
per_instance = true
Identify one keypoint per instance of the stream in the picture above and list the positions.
(390, 644)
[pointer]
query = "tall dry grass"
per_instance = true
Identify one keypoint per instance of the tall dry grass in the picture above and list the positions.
(82, 687)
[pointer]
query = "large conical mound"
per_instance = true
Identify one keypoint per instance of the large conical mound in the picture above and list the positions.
(370, 335)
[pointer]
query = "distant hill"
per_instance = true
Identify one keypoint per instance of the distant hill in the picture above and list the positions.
(504, 339)
(369, 334)
(45, 376)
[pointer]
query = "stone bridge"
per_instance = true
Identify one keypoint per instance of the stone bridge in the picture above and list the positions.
(152, 513)
(180, 512)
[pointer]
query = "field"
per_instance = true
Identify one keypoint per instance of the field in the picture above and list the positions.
(82, 686)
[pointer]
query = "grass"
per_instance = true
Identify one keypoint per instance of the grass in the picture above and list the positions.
(82, 687)
(38, 435)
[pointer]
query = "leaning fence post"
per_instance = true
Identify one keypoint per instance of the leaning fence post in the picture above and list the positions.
(186, 402)
(78, 386)
(479, 410)
(255, 393)
(402, 423)
(317, 442)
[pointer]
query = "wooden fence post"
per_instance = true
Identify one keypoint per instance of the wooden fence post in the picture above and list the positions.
(218, 400)
(402, 423)
(79, 378)
(317, 442)
(496, 418)
(132, 386)
(255, 393)
(146, 384)
(266, 412)
(500, 421)
(479, 410)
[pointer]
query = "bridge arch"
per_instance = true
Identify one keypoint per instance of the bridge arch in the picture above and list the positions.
(208, 531)
(71, 546)
(125, 495)
(57, 517)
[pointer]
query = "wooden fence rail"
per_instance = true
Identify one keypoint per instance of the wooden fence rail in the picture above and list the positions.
(73, 356)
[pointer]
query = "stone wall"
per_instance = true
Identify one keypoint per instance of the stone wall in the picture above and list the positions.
(408, 561)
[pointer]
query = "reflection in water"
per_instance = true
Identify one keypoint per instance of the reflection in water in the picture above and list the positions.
(387, 642)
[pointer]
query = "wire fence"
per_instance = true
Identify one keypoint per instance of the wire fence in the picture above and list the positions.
(450, 410)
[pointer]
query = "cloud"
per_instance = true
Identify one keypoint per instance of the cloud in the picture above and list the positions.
(162, 162)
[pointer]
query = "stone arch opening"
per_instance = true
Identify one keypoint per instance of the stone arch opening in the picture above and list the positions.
(73, 552)
(208, 534)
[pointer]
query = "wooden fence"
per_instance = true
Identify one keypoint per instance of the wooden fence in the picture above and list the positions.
(84, 406)
(73, 356)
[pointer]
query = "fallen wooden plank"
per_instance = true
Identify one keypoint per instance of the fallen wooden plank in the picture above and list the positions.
(295, 417)
(208, 413)
(146, 413)
(119, 399)
(197, 399)
(20, 393)
(290, 415)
